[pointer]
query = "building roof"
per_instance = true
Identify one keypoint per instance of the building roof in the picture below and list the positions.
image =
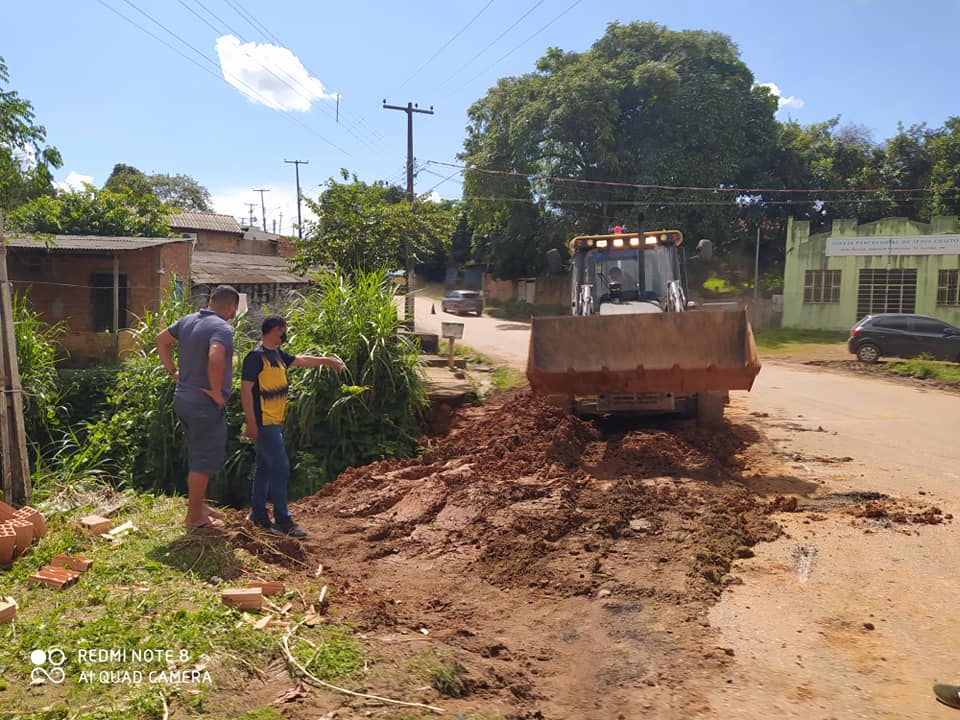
(87, 242)
(189, 220)
(215, 268)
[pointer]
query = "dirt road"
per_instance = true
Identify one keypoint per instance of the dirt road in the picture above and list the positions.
(842, 617)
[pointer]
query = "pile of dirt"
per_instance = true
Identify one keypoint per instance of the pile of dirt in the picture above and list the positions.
(535, 540)
(894, 511)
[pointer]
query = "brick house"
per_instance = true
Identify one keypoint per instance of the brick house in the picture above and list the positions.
(222, 233)
(74, 279)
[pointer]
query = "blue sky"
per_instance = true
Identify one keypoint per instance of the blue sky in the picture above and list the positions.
(108, 93)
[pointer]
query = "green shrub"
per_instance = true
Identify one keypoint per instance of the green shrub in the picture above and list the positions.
(138, 439)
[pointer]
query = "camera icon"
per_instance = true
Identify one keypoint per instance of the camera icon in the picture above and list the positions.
(48, 666)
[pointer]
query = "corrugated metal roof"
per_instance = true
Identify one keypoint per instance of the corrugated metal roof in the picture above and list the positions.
(215, 268)
(86, 242)
(204, 221)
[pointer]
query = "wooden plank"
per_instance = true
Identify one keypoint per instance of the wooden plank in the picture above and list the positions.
(268, 587)
(243, 598)
(14, 463)
(8, 609)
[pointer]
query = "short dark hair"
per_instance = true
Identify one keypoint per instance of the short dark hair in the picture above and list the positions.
(270, 322)
(224, 295)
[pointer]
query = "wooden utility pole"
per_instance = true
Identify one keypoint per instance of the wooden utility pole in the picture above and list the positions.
(14, 465)
(410, 109)
(298, 163)
(263, 207)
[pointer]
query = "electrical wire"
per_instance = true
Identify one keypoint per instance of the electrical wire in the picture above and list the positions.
(491, 43)
(209, 60)
(290, 82)
(446, 44)
(690, 188)
(512, 51)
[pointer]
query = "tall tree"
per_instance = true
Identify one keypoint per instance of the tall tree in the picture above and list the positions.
(178, 191)
(944, 148)
(366, 227)
(645, 105)
(93, 212)
(26, 163)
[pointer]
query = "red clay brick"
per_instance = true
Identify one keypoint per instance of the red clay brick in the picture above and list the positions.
(8, 543)
(243, 598)
(269, 587)
(8, 609)
(77, 563)
(24, 531)
(33, 516)
(95, 525)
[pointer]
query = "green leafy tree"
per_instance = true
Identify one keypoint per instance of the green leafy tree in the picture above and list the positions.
(26, 163)
(644, 105)
(944, 150)
(367, 227)
(178, 191)
(93, 212)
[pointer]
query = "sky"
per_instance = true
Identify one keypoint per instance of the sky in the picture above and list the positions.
(226, 90)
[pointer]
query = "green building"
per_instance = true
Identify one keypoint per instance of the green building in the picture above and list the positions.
(833, 279)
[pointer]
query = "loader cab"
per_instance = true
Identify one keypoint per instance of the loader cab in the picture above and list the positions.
(624, 273)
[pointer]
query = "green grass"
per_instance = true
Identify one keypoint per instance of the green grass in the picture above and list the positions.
(471, 355)
(781, 340)
(505, 378)
(158, 589)
(443, 672)
(926, 369)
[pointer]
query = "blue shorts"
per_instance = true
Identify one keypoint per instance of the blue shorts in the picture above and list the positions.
(205, 426)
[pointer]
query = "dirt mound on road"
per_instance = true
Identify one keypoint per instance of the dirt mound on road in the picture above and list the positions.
(585, 555)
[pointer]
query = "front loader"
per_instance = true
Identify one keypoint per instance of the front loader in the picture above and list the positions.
(633, 344)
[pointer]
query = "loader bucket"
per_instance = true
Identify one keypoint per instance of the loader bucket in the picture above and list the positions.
(681, 353)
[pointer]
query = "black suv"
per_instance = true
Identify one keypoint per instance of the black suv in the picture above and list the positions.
(903, 336)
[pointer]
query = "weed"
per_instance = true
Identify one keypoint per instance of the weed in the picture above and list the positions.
(926, 369)
(265, 713)
(505, 378)
(328, 652)
(774, 340)
(444, 673)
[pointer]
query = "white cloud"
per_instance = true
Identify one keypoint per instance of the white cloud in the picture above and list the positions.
(790, 101)
(269, 75)
(434, 197)
(74, 181)
(280, 202)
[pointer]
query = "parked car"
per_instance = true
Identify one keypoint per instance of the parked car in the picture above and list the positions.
(462, 301)
(903, 336)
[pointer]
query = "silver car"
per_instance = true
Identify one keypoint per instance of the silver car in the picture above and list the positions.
(462, 301)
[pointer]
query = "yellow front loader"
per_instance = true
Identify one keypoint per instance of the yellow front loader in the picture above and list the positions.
(633, 344)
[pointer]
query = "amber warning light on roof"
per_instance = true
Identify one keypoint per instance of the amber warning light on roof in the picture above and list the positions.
(619, 241)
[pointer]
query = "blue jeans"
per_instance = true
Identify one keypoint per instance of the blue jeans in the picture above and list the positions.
(270, 476)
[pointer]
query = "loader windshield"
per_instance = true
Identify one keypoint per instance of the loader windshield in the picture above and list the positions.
(604, 269)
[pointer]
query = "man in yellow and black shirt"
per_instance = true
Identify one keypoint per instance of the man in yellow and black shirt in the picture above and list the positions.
(263, 393)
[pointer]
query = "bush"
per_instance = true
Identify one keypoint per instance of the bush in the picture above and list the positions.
(372, 411)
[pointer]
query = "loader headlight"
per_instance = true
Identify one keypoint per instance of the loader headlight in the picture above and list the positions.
(602, 243)
(634, 242)
(650, 240)
(618, 242)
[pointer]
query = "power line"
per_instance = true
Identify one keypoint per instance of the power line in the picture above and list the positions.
(690, 188)
(511, 52)
(492, 43)
(303, 91)
(215, 64)
(446, 44)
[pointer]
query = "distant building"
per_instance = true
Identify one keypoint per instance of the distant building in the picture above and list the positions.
(227, 253)
(833, 279)
(71, 278)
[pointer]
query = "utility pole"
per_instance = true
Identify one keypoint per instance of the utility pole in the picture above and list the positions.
(297, 164)
(410, 109)
(756, 268)
(263, 207)
(250, 207)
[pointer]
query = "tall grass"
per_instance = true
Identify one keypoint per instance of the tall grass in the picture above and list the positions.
(372, 411)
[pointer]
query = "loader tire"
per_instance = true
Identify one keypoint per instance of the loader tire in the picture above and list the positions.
(710, 406)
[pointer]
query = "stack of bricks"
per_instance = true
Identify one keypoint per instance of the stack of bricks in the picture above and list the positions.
(62, 572)
(18, 530)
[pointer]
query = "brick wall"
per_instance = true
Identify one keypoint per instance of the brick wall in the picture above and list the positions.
(217, 241)
(59, 288)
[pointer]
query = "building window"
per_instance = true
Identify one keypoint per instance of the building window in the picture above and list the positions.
(102, 301)
(886, 291)
(948, 287)
(821, 286)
